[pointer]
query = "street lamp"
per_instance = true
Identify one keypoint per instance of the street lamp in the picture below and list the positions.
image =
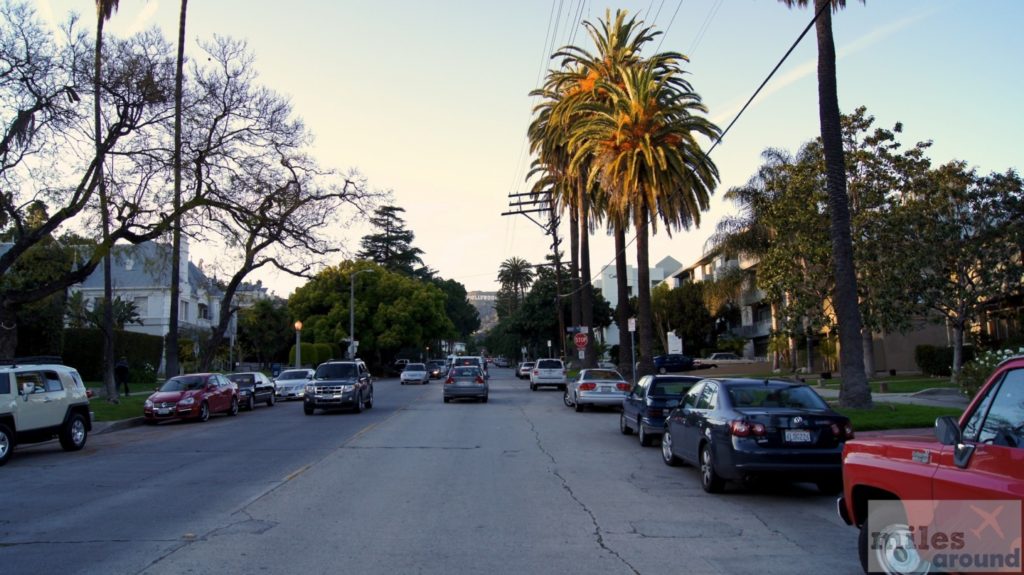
(298, 344)
(352, 312)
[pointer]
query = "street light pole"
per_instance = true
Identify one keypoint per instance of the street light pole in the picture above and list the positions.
(298, 344)
(352, 312)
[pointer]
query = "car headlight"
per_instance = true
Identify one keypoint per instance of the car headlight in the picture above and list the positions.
(187, 401)
(309, 388)
(148, 404)
(347, 388)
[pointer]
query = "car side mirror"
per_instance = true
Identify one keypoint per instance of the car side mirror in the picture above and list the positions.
(948, 432)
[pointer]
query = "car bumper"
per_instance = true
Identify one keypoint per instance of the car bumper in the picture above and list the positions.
(598, 398)
(416, 381)
(653, 425)
(291, 393)
(456, 391)
(797, 464)
(543, 381)
(172, 413)
(327, 401)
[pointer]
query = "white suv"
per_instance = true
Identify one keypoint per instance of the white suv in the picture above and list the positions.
(40, 401)
(548, 372)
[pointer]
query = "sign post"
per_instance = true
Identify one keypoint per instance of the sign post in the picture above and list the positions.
(632, 347)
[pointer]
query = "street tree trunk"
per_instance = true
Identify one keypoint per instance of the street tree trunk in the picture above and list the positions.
(586, 289)
(855, 391)
(645, 323)
(622, 311)
(108, 289)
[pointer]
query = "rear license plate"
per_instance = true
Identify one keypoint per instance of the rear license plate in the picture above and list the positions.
(604, 389)
(798, 436)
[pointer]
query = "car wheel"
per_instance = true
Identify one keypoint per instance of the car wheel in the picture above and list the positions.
(667, 456)
(623, 428)
(233, 410)
(74, 433)
(6, 444)
(577, 405)
(359, 404)
(204, 411)
(645, 438)
(251, 403)
(308, 409)
(889, 545)
(533, 387)
(709, 479)
(369, 402)
(447, 399)
(271, 400)
(484, 399)
(565, 399)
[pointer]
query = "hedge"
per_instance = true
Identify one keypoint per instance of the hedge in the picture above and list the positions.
(83, 350)
(935, 360)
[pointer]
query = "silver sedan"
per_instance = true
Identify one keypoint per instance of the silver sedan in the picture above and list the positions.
(596, 387)
(291, 383)
(415, 373)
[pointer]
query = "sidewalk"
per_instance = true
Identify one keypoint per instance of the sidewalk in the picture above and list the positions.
(935, 397)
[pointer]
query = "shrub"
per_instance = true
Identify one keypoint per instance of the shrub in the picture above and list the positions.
(83, 350)
(934, 360)
(974, 374)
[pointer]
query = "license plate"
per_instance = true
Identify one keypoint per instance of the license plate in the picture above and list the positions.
(604, 389)
(798, 436)
(163, 411)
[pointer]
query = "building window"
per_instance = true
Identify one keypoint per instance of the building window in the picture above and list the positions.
(142, 306)
(204, 311)
(183, 311)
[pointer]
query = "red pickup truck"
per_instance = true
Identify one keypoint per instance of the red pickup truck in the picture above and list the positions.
(894, 485)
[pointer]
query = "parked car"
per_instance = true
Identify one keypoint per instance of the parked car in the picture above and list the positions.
(647, 404)
(739, 429)
(414, 373)
(192, 396)
(720, 358)
(291, 383)
(40, 399)
(437, 368)
(253, 388)
(339, 384)
(596, 387)
(975, 457)
(466, 381)
(672, 362)
(550, 372)
(399, 366)
(524, 369)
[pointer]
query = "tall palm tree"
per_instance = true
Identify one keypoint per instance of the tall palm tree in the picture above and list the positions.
(171, 349)
(104, 11)
(642, 141)
(854, 391)
(516, 274)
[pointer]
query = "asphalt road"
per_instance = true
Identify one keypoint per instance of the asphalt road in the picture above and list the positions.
(521, 484)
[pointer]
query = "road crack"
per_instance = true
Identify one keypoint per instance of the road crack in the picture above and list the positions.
(598, 532)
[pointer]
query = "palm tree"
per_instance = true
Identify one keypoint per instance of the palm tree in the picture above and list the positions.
(171, 361)
(516, 275)
(854, 391)
(642, 142)
(104, 11)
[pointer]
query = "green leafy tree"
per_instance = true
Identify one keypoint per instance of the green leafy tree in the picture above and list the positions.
(464, 316)
(391, 247)
(265, 331)
(681, 311)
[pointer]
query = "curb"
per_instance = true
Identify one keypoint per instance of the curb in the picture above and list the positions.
(100, 427)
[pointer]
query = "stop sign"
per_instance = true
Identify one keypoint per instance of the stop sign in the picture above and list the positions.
(581, 340)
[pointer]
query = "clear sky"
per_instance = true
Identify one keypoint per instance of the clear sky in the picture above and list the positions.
(429, 98)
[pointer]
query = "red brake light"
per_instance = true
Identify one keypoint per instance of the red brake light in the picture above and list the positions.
(622, 386)
(480, 379)
(536, 372)
(450, 380)
(741, 428)
(588, 386)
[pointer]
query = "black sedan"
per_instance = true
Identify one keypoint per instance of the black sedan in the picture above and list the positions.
(739, 429)
(644, 410)
(253, 388)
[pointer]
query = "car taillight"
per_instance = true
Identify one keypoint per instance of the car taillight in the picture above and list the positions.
(588, 386)
(450, 380)
(848, 430)
(536, 372)
(622, 386)
(480, 379)
(741, 428)
(89, 393)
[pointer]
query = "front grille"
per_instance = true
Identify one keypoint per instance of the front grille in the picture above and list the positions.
(327, 389)
(165, 404)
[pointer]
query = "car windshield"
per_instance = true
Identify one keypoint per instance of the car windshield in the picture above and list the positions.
(465, 371)
(415, 367)
(671, 387)
(183, 383)
(600, 374)
(293, 374)
(775, 396)
(528, 365)
(549, 364)
(242, 378)
(336, 371)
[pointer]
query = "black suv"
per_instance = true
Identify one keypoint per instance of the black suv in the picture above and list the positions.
(338, 384)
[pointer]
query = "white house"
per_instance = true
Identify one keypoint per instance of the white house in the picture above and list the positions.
(608, 284)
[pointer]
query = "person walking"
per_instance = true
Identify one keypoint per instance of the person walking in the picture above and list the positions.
(121, 374)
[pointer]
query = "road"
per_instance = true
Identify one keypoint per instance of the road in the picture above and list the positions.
(521, 484)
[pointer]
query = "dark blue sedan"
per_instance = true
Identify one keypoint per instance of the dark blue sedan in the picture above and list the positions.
(738, 429)
(644, 410)
(672, 362)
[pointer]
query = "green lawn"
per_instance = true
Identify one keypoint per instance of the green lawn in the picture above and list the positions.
(128, 407)
(896, 416)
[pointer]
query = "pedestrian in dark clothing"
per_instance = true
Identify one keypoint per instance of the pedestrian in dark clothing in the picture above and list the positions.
(121, 374)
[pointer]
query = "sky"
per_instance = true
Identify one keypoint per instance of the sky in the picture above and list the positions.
(430, 98)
